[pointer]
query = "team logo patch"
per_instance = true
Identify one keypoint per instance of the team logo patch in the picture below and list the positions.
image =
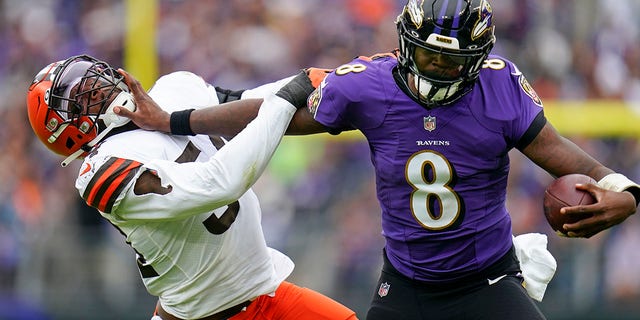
(528, 89)
(429, 123)
(384, 289)
(314, 99)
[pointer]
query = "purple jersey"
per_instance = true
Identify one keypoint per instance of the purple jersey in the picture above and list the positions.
(441, 174)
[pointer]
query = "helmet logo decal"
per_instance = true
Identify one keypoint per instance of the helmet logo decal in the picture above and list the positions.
(84, 127)
(484, 20)
(414, 7)
(47, 94)
(52, 124)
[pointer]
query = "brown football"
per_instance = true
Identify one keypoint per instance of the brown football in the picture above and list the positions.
(562, 192)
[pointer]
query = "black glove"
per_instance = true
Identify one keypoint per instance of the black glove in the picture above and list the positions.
(297, 90)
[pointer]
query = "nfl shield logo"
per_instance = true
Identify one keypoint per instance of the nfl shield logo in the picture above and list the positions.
(384, 289)
(429, 123)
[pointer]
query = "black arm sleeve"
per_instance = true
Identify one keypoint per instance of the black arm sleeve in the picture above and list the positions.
(535, 127)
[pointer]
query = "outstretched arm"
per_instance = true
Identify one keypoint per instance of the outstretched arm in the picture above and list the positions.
(225, 120)
(228, 119)
(616, 200)
(230, 171)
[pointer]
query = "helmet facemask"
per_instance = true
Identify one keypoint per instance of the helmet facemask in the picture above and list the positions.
(84, 89)
(459, 36)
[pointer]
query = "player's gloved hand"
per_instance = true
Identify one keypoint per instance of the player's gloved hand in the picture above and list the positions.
(148, 114)
(297, 90)
(316, 75)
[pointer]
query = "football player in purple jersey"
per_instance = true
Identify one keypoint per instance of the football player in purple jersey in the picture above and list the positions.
(440, 115)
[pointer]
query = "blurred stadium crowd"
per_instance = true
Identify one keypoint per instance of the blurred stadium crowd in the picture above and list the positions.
(58, 260)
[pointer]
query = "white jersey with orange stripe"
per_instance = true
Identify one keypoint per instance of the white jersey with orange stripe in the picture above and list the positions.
(200, 247)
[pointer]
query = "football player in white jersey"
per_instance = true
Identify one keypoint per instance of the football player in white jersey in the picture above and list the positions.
(183, 203)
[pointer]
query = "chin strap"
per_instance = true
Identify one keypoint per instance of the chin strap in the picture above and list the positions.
(89, 145)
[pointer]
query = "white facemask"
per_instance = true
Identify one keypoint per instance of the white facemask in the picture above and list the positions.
(424, 89)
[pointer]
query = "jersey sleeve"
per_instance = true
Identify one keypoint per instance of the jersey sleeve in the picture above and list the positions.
(266, 89)
(194, 92)
(349, 97)
(528, 125)
(103, 181)
(511, 104)
(195, 187)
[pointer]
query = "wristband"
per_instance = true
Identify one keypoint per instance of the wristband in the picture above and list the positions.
(618, 182)
(179, 123)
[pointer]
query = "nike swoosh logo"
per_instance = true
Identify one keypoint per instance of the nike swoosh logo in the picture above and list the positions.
(86, 169)
(494, 281)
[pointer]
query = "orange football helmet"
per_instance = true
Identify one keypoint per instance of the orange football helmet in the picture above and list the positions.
(66, 100)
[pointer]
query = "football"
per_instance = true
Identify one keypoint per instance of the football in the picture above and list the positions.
(562, 192)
